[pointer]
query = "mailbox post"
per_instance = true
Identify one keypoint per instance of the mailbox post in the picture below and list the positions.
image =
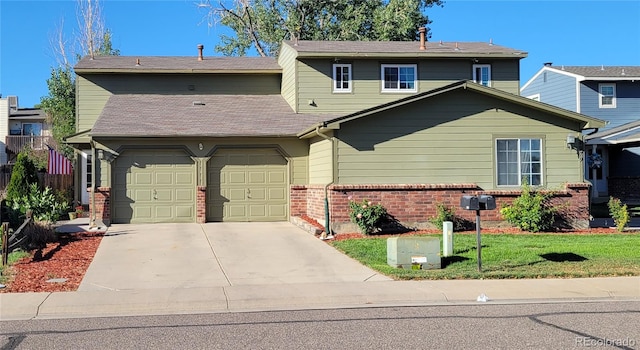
(477, 203)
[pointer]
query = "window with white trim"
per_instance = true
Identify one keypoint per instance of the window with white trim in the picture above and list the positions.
(482, 74)
(399, 77)
(341, 78)
(517, 159)
(607, 95)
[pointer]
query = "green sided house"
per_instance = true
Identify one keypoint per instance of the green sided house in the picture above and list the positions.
(406, 124)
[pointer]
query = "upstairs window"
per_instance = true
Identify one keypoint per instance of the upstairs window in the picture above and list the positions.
(399, 78)
(482, 74)
(607, 95)
(341, 78)
(518, 159)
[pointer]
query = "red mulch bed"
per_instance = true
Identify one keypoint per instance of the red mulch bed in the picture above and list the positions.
(68, 258)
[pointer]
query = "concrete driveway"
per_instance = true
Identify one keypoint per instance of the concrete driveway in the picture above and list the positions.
(154, 256)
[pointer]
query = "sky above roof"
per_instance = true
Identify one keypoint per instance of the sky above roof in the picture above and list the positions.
(572, 33)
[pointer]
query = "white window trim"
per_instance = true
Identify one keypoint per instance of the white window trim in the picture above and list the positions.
(415, 78)
(600, 95)
(535, 97)
(519, 160)
(333, 82)
(475, 78)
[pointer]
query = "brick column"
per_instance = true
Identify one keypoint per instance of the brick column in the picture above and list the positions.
(102, 208)
(201, 204)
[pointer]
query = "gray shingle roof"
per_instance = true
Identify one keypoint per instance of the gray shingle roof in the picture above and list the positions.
(602, 71)
(385, 48)
(179, 64)
(144, 115)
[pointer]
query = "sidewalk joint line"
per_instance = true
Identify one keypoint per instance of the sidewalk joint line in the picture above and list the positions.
(215, 256)
(40, 305)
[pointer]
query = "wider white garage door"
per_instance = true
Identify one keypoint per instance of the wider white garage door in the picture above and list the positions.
(154, 186)
(247, 185)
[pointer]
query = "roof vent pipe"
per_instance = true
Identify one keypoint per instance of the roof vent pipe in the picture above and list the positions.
(423, 32)
(200, 48)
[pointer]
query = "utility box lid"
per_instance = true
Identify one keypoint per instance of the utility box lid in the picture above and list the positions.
(414, 252)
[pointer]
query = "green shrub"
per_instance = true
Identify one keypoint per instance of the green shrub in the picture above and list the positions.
(22, 176)
(619, 213)
(530, 211)
(368, 216)
(444, 213)
(44, 204)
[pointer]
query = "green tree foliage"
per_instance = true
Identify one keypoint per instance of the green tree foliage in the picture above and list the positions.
(24, 174)
(263, 25)
(60, 105)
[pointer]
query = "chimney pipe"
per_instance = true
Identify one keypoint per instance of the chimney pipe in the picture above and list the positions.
(423, 32)
(200, 48)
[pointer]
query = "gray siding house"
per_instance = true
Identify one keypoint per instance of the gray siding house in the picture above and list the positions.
(610, 93)
(406, 124)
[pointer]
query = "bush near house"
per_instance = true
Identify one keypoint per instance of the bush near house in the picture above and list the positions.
(530, 211)
(619, 213)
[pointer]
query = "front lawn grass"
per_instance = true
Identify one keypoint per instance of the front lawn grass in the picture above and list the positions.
(513, 256)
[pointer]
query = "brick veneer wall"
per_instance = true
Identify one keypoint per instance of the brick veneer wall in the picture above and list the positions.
(102, 205)
(415, 205)
(201, 204)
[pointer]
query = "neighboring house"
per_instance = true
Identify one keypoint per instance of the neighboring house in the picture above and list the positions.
(610, 93)
(406, 124)
(21, 127)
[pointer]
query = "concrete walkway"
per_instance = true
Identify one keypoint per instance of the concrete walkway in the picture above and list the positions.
(234, 267)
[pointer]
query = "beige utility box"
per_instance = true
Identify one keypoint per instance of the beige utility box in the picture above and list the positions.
(414, 252)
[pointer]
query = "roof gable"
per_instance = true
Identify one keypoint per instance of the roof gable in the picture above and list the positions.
(587, 122)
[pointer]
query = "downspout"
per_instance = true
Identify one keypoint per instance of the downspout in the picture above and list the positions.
(327, 215)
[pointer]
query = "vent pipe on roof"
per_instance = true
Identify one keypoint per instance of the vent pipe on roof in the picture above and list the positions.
(200, 48)
(423, 32)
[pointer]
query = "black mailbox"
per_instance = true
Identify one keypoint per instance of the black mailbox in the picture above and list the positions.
(470, 203)
(487, 202)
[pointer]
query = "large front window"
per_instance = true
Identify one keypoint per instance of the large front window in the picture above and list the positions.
(399, 78)
(519, 159)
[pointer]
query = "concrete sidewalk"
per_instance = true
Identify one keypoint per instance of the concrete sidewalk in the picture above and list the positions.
(103, 303)
(221, 267)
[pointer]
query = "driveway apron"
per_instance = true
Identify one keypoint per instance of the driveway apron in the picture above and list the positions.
(155, 256)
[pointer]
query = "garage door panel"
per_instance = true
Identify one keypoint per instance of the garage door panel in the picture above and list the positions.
(164, 179)
(236, 177)
(184, 178)
(277, 194)
(258, 193)
(252, 186)
(142, 179)
(235, 194)
(142, 195)
(277, 177)
(154, 186)
(184, 195)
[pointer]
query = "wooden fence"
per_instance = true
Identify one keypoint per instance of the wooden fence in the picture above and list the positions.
(55, 181)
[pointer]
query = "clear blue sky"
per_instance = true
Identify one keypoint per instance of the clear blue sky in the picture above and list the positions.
(563, 32)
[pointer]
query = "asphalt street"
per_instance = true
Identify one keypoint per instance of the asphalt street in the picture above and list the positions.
(562, 325)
